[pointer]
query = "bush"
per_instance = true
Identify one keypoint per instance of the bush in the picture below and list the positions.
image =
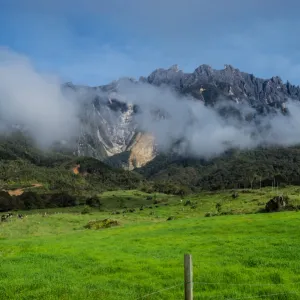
(210, 214)
(101, 224)
(86, 210)
(218, 207)
(93, 201)
(158, 201)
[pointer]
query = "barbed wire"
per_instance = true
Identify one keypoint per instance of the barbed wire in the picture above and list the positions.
(245, 284)
(261, 296)
(250, 297)
(225, 283)
(159, 291)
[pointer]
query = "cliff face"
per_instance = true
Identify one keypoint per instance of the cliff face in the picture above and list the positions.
(108, 126)
(142, 152)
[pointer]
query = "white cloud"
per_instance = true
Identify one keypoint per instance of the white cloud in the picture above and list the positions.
(34, 100)
(203, 131)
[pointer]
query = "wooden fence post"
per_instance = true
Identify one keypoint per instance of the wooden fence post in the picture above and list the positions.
(188, 277)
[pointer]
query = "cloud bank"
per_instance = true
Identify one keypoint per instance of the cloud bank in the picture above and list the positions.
(34, 101)
(201, 130)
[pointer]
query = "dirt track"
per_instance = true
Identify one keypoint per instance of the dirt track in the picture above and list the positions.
(19, 192)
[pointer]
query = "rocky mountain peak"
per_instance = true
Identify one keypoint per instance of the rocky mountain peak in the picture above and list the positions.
(174, 68)
(170, 76)
(109, 128)
(204, 69)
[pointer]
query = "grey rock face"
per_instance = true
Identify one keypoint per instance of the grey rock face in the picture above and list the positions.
(211, 85)
(107, 125)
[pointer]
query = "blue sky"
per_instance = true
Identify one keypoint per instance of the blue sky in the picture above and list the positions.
(96, 41)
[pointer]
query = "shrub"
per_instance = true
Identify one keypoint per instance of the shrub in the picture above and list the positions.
(101, 224)
(218, 207)
(235, 195)
(86, 210)
(188, 202)
(158, 201)
(210, 214)
(93, 201)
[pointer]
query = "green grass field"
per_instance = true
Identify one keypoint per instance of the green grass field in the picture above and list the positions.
(234, 256)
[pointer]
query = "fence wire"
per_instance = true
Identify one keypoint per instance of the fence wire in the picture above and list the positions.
(262, 296)
(159, 291)
(231, 284)
(245, 284)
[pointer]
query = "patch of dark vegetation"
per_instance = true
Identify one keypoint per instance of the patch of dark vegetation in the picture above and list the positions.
(210, 214)
(101, 224)
(159, 201)
(235, 169)
(247, 191)
(86, 210)
(31, 200)
(7, 203)
(235, 195)
(166, 187)
(277, 203)
(171, 218)
(62, 199)
(93, 201)
(190, 203)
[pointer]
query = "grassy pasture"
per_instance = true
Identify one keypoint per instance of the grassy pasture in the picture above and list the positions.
(235, 256)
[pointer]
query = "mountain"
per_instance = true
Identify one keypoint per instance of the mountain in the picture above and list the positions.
(110, 132)
(110, 127)
(112, 138)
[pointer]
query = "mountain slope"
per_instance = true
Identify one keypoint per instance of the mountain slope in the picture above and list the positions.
(23, 164)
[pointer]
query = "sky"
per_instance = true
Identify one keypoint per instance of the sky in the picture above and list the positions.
(93, 42)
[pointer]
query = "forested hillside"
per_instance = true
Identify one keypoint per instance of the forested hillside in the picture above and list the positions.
(234, 169)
